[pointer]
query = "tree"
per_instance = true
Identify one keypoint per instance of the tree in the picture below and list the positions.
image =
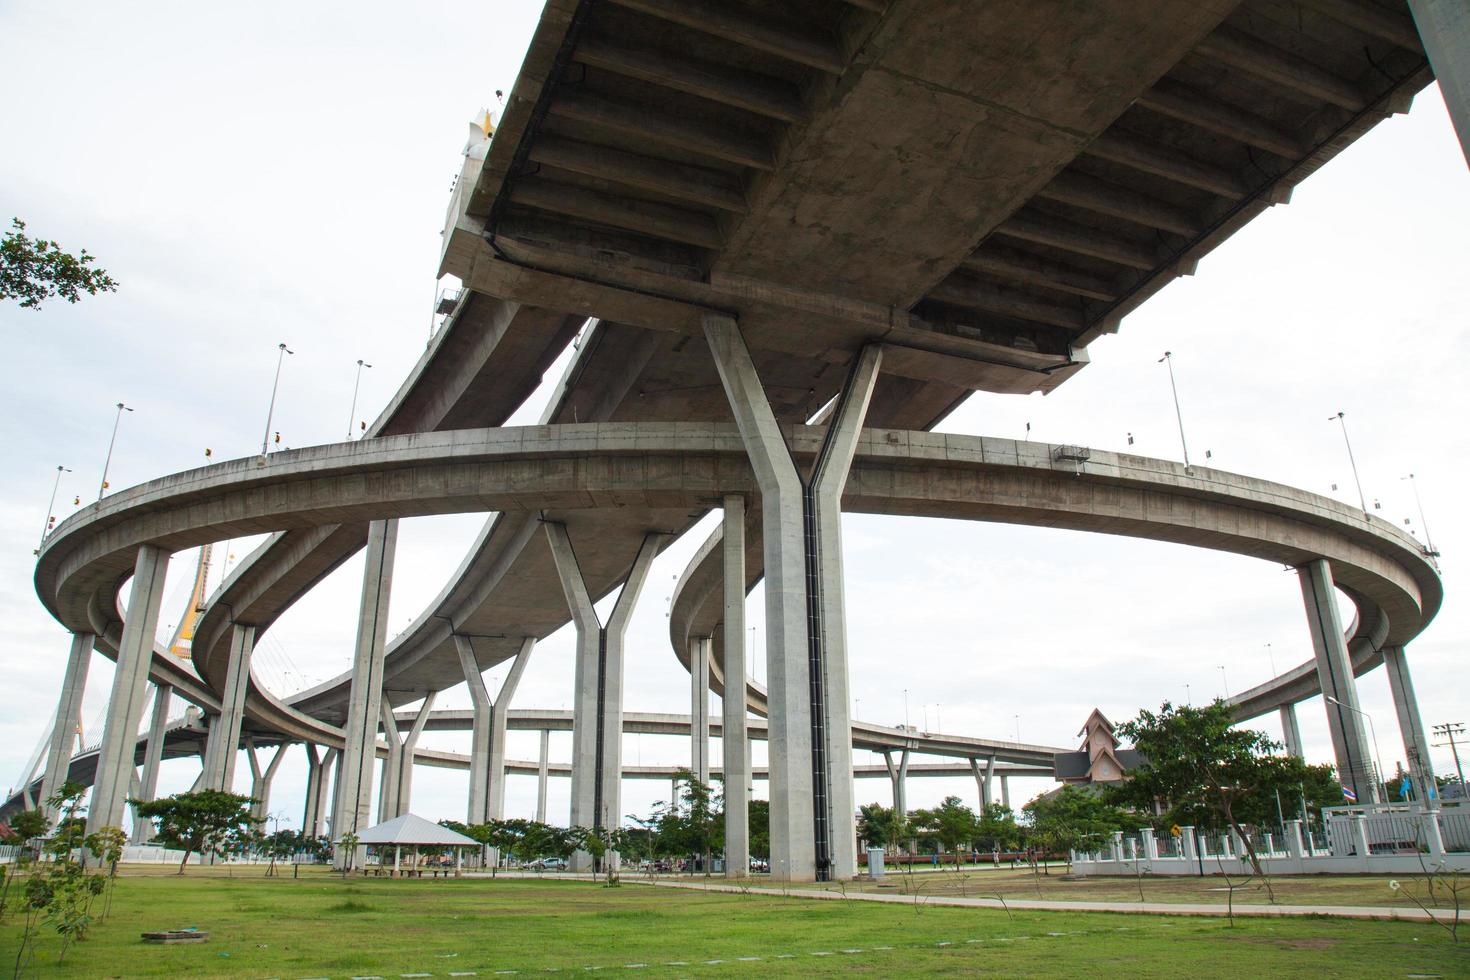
(209, 822)
(760, 829)
(33, 270)
(26, 827)
(1075, 818)
(279, 846)
(882, 825)
(951, 826)
(997, 829)
(1203, 770)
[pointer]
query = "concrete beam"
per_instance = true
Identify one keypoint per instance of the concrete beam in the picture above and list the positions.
(768, 97)
(65, 729)
(699, 657)
(1444, 26)
(1239, 50)
(1291, 732)
(748, 29)
(696, 185)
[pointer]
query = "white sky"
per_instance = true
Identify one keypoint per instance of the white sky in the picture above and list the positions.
(265, 173)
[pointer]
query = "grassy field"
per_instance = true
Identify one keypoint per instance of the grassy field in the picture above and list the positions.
(320, 926)
(1370, 890)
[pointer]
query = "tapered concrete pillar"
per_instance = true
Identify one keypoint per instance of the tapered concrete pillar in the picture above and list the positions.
(1005, 791)
(597, 715)
(1291, 732)
(319, 768)
(261, 778)
(129, 690)
(488, 729)
(162, 696)
(1411, 726)
(734, 734)
(396, 794)
(1335, 673)
(699, 652)
(68, 718)
(983, 780)
(1444, 27)
(543, 770)
(898, 775)
(352, 802)
(810, 734)
(224, 731)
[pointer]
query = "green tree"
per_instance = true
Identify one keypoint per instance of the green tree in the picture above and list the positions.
(997, 829)
(33, 270)
(209, 822)
(951, 826)
(1075, 818)
(26, 827)
(882, 825)
(760, 829)
(279, 846)
(1203, 770)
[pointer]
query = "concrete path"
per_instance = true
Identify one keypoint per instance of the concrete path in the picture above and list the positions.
(1382, 913)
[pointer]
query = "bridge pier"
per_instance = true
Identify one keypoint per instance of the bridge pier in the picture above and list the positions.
(983, 779)
(224, 729)
(1444, 27)
(314, 812)
(261, 779)
(542, 773)
(1411, 725)
(1005, 791)
(488, 730)
(352, 802)
(129, 689)
(162, 695)
(699, 653)
(597, 715)
(68, 719)
(1291, 732)
(734, 737)
(810, 747)
(396, 793)
(1335, 674)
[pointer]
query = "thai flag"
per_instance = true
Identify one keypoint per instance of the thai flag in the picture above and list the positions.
(1349, 795)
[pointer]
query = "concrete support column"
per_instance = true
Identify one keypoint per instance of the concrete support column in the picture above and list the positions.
(734, 735)
(1444, 27)
(810, 717)
(261, 779)
(488, 727)
(397, 792)
(129, 689)
(318, 771)
(542, 771)
(699, 651)
(1335, 673)
(68, 718)
(898, 775)
(1291, 732)
(597, 716)
(224, 730)
(1005, 791)
(353, 799)
(983, 779)
(1411, 725)
(162, 695)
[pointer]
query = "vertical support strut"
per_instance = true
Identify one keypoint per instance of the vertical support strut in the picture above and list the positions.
(352, 802)
(1335, 674)
(224, 732)
(809, 709)
(734, 743)
(68, 718)
(1411, 725)
(162, 695)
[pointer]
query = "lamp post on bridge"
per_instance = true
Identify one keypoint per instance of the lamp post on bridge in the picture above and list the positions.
(271, 411)
(107, 464)
(1377, 756)
(51, 507)
(1362, 501)
(1168, 359)
(352, 415)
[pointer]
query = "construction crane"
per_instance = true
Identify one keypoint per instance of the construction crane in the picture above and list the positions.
(182, 644)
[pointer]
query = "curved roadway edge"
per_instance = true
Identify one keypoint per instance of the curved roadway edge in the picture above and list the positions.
(696, 607)
(663, 467)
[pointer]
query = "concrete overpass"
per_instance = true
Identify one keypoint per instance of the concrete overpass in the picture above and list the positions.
(781, 218)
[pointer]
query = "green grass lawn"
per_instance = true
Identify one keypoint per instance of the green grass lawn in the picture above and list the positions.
(321, 926)
(1211, 889)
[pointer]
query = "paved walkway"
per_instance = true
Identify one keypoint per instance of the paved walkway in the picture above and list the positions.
(1383, 913)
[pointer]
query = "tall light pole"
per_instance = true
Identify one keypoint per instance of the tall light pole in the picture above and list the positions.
(270, 412)
(1224, 682)
(50, 507)
(1428, 543)
(905, 709)
(352, 415)
(1342, 417)
(1271, 657)
(1376, 755)
(107, 465)
(1168, 359)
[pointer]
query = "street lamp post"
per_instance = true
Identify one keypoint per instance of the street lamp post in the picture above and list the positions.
(51, 507)
(352, 415)
(1271, 657)
(1428, 542)
(1377, 756)
(1168, 359)
(107, 464)
(1342, 417)
(271, 411)
(1224, 682)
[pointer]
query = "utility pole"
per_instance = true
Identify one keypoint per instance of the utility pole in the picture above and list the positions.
(1168, 359)
(1448, 731)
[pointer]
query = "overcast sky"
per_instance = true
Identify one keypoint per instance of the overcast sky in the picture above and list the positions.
(275, 172)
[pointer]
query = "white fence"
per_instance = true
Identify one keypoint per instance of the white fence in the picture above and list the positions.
(1357, 840)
